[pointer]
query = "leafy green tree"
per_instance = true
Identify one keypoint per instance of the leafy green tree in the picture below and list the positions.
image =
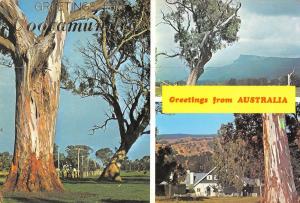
(145, 162)
(248, 127)
(201, 28)
(232, 163)
(239, 149)
(77, 151)
(293, 133)
(104, 155)
(5, 161)
(93, 166)
(166, 165)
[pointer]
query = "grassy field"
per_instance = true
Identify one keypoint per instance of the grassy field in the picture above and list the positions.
(212, 200)
(158, 91)
(135, 188)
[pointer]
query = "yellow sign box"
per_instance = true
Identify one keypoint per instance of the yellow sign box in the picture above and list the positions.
(228, 99)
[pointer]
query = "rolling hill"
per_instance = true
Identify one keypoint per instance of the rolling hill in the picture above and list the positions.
(187, 145)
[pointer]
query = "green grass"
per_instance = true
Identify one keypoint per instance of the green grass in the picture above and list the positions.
(213, 200)
(135, 188)
(158, 91)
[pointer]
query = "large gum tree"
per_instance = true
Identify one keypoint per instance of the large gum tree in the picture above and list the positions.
(37, 61)
(117, 70)
(201, 27)
(279, 179)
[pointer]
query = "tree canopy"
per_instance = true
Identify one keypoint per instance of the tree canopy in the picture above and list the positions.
(104, 155)
(201, 28)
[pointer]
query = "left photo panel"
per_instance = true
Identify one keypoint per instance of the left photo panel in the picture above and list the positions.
(75, 101)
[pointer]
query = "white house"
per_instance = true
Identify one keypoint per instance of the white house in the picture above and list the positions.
(204, 184)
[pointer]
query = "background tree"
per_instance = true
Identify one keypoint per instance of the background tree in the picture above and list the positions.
(126, 164)
(249, 128)
(5, 161)
(93, 166)
(37, 63)
(201, 163)
(145, 162)
(201, 28)
(247, 132)
(232, 163)
(117, 69)
(104, 155)
(166, 165)
(293, 133)
(72, 155)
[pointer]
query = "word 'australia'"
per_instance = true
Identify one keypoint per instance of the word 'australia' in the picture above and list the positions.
(262, 100)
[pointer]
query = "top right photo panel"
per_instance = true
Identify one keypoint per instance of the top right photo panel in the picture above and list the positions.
(227, 42)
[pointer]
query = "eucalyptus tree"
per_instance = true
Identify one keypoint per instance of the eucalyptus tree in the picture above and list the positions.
(201, 28)
(279, 178)
(37, 61)
(117, 70)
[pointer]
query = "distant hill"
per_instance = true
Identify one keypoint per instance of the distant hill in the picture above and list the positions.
(251, 66)
(187, 145)
(177, 136)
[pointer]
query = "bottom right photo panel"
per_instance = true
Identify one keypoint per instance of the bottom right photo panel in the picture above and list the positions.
(227, 158)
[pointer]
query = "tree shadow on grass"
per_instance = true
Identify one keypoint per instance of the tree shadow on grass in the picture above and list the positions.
(186, 199)
(191, 198)
(122, 201)
(95, 181)
(34, 200)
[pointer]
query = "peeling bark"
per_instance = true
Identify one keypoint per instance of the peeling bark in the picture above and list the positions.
(37, 93)
(37, 98)
(279, 179)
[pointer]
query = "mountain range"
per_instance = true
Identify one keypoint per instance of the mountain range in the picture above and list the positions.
(251, 66)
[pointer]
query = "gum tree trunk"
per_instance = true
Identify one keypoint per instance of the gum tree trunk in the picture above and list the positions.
(279, 179)
(37, 98)
(113, 169)
(38, 67)
(194, 75)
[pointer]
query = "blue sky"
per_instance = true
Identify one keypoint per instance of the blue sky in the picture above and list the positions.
(76, 115)
(191, 123)
(268, 28)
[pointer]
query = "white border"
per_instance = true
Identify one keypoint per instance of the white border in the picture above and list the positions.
(153, 113)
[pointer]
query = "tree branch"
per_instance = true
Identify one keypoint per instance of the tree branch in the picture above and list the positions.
(104, 125)
(146, 132)
(127, 40)
(134, 105)
(88, 11)
(17, 22)
(168, 55)
(7, 45)
(220, 25)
